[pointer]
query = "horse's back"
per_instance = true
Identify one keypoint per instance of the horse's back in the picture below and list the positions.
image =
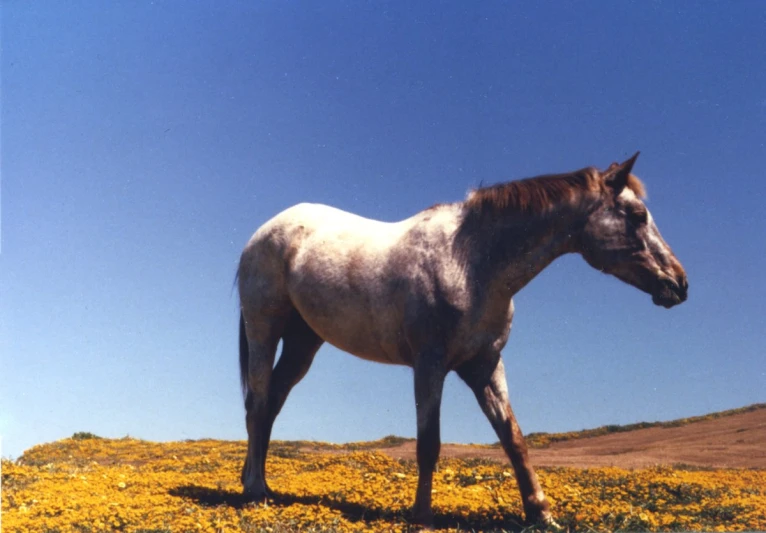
(322, 228)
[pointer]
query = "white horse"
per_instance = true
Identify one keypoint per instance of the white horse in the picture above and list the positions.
(433, 292)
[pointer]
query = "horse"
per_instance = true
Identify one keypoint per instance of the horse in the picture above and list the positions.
(433, 292)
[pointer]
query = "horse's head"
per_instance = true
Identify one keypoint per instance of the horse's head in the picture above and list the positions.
(621, 238)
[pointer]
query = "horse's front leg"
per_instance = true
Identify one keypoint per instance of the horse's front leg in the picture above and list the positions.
(429, 382)
(486, 377)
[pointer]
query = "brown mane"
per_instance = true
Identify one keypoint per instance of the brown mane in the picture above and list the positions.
(537, 195)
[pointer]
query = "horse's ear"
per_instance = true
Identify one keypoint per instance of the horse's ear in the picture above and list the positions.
(616, 176)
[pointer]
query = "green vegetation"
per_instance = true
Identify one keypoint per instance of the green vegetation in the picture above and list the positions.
(84, 435)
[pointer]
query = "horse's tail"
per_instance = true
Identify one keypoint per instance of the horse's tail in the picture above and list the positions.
(244, 355)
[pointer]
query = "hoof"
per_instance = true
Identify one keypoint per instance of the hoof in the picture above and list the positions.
(546, 522)
(423, 520)
(259, 494)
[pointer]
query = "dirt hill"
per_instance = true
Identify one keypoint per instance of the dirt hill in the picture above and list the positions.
(721, 440)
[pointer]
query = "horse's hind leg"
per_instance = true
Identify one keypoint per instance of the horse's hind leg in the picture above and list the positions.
(486, 377)
(263, 332)
(299, 346)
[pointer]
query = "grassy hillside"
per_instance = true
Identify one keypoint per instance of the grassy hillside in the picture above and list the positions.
(534, 440)
(542, 440)
(88, 485)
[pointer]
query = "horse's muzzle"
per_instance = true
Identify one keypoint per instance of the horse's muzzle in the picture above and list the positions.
(671, 292)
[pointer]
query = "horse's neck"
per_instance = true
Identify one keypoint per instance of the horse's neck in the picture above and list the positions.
(520, 248)
(541, 249)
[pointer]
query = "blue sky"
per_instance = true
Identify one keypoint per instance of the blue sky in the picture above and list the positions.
(144, 142)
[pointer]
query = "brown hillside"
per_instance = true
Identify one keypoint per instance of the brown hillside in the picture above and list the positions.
(735, 441)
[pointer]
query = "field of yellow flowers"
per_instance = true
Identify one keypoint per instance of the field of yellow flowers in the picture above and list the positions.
(94, 485)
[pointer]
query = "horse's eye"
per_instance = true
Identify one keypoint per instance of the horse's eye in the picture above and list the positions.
(638, 217)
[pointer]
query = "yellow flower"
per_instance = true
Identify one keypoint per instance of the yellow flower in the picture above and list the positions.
(173, 485)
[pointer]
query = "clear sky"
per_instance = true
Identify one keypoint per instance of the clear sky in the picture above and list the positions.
(144, 142)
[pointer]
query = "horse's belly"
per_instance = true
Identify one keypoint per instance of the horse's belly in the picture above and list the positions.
(369, 351)
(363, 338)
